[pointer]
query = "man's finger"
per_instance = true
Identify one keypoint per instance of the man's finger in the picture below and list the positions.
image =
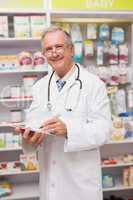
(52, 120)
(35, 137)
(26, 133)
(40, 140)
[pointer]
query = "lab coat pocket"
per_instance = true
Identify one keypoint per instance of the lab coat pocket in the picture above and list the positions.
(87, 167)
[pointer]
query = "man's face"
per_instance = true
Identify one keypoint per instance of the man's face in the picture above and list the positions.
(58, 53)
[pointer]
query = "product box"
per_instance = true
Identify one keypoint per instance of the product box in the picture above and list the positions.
(4, 191)
(16, 141)
(3, 26)
(5, 188)
(2, 140)
(38, 24)
(8, 62)
(28, 162)
(21, 26)
(9, 140)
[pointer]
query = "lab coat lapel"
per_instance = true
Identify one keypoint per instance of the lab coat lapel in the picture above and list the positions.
(55, 95)
(69, 82)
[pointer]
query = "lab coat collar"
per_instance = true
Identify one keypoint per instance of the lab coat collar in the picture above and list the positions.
(55, 94)
(69, 78)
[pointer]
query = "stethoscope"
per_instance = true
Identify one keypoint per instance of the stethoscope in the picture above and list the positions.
(77, 79)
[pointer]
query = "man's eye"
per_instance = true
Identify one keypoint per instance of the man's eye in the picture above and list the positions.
(59, 46)
(48, 49)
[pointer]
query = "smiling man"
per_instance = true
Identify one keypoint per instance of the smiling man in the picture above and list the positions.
(59, 51)
(75, 121)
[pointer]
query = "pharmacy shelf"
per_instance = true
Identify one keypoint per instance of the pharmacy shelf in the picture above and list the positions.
(18, 39)
(16, 103)
(118, 165)
(11, 149)
(23, 71)
(10, 124)
(19, 173)
(20, 42)
(23, 191)
(10, 100)
(117, 188)
(88, 16)
(18, 11)
(121, 141)
(83, 19)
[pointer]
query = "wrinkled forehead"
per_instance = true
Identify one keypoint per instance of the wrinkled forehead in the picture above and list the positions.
(53, 38)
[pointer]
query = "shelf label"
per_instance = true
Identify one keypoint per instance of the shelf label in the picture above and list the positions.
(22, 4)
(109, 5)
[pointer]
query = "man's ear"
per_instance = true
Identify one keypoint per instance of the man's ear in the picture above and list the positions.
(72, 50)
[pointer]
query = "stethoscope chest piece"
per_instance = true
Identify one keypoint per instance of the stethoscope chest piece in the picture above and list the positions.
(49, 106)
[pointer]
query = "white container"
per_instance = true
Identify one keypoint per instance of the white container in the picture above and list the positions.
(3, 26)
(16, 141)
(15, 91)
(16, 116)
(130, 98)
(21, 26)
(27, 92)
(121, 101)
(28, 81)
(9, 140)
(38, 23)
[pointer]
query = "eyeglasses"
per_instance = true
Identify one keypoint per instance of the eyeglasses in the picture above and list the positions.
(58, 49)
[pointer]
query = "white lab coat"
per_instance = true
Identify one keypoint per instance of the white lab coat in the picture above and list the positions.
(70, 168)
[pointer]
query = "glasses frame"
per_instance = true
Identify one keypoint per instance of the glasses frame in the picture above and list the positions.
(58, 49)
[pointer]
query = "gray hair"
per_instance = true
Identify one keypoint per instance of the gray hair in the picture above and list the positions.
(54, 28)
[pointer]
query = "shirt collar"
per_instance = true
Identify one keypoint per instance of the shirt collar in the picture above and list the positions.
(67, 76)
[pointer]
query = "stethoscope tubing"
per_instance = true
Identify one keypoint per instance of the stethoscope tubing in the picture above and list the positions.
(49, 106)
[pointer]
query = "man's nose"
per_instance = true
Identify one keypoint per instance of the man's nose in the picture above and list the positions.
(54, 52)
(53, 49)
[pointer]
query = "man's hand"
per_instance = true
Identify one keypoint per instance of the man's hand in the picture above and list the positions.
(34, 139)
(55, 126)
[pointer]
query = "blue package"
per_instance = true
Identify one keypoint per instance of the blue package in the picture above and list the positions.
(104, 32)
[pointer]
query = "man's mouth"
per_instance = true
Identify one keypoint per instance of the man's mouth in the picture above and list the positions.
(56, 59)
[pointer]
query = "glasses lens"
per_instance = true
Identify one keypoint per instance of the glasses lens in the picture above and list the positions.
(59, 49)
